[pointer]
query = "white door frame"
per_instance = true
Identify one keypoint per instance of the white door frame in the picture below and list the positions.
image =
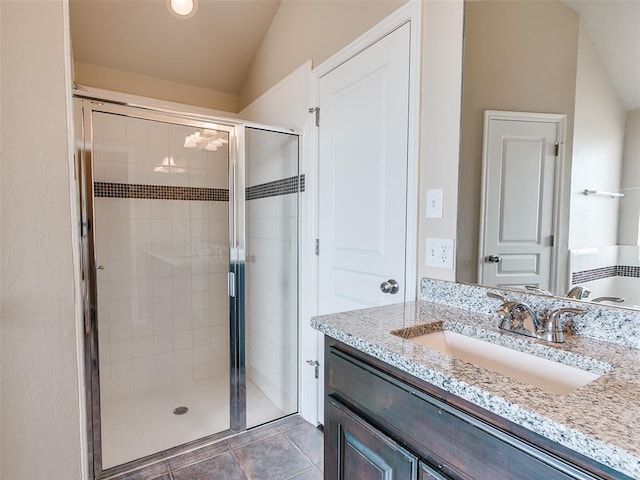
(558, 198)
(410, 12)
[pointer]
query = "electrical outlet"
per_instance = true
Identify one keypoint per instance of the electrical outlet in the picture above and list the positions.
(439, 252)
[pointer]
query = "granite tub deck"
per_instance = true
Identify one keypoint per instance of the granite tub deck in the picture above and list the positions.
(600, 420)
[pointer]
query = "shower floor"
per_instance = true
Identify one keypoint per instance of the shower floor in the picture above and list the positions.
(135, 427)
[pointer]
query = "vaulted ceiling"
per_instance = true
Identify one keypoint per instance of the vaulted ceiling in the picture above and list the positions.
(213, 49)
(614, 28)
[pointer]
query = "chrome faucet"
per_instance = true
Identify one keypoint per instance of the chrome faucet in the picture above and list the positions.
(517, 317)
(579, 293)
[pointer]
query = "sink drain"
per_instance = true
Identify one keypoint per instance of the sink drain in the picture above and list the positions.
(180, 410)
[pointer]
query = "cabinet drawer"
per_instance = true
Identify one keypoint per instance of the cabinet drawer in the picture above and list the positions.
(460, 445)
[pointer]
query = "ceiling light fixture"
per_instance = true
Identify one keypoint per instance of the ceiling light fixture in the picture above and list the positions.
(182, 8)
(207, 140)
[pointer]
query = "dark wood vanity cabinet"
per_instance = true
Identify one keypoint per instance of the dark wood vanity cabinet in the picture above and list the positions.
(381, 423)
(366, 452)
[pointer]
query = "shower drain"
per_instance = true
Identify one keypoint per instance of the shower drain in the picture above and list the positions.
(180, 410)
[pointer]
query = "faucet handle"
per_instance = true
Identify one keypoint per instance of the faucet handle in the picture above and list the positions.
(554, 331)
(497, 297)
(533, 288)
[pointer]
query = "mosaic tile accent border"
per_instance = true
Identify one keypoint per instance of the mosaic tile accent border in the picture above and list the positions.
(159, 192)
(605, 272)
(285, 186)
(628, 271)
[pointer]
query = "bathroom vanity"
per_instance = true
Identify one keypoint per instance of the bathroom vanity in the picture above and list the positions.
(397, 409)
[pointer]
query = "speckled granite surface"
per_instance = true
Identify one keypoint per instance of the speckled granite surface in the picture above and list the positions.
(602, 322)
(600, 420)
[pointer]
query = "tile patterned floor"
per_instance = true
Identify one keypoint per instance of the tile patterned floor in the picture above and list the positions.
(290, 449)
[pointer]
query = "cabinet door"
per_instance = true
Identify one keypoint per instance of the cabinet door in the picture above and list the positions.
(425, 472)
(361, 451)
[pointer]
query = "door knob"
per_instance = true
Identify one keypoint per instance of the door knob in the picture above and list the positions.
(390, 286)
(492, 259)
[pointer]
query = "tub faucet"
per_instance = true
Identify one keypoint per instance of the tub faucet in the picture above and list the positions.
(609, 299)
(579, 293)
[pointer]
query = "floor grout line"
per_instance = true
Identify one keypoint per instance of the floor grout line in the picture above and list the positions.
(303, 454)
(296, 474)
(235, 458)
(269, 432)
(299, 449)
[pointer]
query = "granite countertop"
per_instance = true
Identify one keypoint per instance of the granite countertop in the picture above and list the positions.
(600, 420)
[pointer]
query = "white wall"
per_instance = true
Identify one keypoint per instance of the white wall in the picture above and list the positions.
(309, 30)
(40, 406)
(95, 76)
(442, 25)
(598, 142)
(629, 227)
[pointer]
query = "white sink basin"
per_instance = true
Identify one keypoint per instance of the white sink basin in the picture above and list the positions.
(545, 374)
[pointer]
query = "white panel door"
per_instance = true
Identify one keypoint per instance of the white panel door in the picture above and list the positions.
(363, 176)
(520, 157)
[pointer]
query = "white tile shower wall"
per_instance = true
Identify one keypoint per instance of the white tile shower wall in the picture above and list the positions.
(162, 295)
(271, 158)
(629, 255)
(617, 286)
(591, 258)
(272, 272)
(624, 287)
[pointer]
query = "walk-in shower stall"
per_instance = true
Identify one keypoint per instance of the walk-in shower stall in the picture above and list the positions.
(190, 278)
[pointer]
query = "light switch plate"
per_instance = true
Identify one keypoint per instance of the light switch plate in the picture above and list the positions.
(434, 203)
(439, 252)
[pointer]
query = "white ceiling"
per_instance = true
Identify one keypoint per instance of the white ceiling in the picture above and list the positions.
(614, 28)
(212, 49)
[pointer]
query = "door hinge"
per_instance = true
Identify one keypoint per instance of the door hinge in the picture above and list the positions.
(316, 110)
(316, 365)
(317, 246)
(552, 240)
(231, 284)
(85, 228)
(557, 149)
(89, 319)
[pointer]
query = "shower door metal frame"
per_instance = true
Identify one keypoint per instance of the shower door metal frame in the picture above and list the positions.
(84, 107)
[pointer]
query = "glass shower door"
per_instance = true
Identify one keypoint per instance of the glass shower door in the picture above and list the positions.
(161, 223)
(273, 184)
(172, 359)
